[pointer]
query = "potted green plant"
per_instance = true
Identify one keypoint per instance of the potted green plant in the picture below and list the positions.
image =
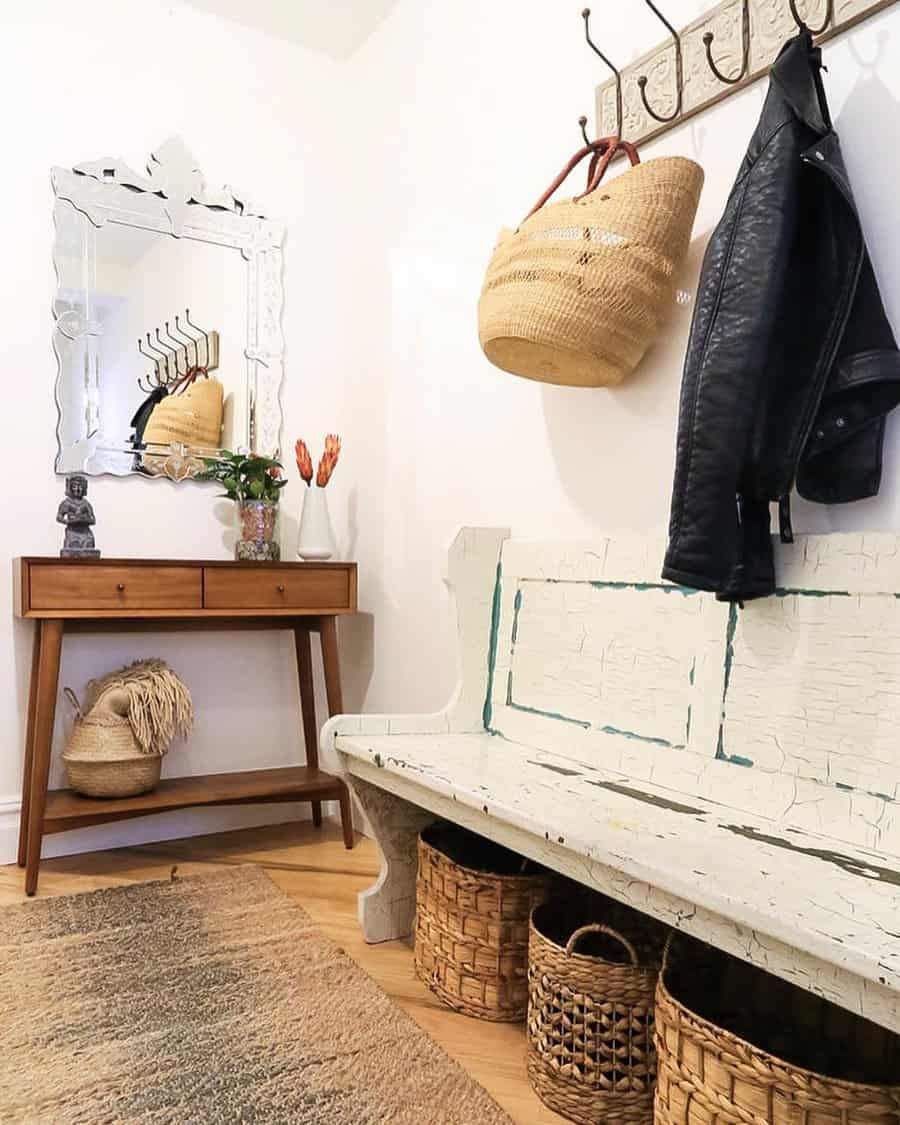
(254, 483)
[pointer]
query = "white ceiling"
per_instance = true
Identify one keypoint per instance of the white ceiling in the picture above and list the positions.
(334, 27)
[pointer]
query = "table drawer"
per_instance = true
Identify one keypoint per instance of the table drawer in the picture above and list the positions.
(69, 586)
(308, 589)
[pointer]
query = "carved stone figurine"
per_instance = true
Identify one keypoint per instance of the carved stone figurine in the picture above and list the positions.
(77, 516)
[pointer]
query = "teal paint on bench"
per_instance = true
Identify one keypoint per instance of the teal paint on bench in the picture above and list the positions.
(487, 710)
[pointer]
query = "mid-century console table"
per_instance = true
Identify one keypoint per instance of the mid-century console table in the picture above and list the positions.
(76, 595)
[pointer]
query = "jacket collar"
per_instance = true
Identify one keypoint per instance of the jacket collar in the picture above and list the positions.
(797, 73)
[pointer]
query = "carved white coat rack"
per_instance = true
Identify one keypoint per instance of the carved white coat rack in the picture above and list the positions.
(771, 23)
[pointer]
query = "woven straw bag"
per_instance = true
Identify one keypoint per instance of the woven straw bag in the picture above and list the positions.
(738, 1046)
(591, 1054)
(103, 757)
(473, 901)
(578, 293)
(191, 417)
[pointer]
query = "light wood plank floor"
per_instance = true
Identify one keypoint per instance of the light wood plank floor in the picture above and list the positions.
(315, 869)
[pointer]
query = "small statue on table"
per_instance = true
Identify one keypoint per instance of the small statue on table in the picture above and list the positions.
(77, 516)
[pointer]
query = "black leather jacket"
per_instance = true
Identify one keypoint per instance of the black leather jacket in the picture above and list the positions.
(791, 365)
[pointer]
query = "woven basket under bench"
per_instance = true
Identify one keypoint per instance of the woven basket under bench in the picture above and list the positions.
(593, 966)
(473, 902)
(738, 1046)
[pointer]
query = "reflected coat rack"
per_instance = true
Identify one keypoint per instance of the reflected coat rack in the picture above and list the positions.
(724, 50)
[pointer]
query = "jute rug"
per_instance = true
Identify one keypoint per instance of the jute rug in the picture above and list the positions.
(208, 999)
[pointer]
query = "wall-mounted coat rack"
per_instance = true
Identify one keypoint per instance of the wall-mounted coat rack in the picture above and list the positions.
(176, 352)
(722, 51)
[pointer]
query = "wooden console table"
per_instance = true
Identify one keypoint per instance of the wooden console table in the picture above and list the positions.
(75, 595)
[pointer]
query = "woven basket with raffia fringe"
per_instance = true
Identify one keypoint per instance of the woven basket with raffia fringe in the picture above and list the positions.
(473, 900)
(591, 1055)
(103, 758)
(737, 1046)
(129, 719)
(579, 292)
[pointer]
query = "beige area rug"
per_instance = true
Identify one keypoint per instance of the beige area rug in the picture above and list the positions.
(209, 999)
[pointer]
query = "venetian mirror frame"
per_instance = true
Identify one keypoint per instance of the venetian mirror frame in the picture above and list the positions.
(172, 199)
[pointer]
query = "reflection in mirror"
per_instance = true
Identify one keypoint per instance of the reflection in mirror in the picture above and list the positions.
(167, 321)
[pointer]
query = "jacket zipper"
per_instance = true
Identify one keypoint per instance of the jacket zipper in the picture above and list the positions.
(837, 331)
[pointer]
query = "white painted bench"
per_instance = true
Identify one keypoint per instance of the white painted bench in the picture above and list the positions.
(735, 773)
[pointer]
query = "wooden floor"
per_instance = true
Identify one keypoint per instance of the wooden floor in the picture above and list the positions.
(314, 868)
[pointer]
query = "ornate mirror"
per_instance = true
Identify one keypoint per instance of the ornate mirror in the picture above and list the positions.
(167, 319)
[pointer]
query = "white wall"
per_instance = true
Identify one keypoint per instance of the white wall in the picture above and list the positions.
(472, 110)
(115, 78)
(393, 172)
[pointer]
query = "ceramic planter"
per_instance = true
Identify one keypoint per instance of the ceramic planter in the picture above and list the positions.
(316, 538)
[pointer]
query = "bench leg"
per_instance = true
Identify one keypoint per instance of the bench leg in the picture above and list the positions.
(387, 910)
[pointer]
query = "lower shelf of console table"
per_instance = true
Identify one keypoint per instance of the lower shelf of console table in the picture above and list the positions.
(64, 596)
(66, 809)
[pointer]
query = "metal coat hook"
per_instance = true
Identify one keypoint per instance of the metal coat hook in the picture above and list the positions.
(745, 49)
(202, 331)
(803, 25)
(679, 82)
(153, 379)
(180, 350)
(582, 121)
(586, 16)
(169, 357)
(189, 342)
(160, 382)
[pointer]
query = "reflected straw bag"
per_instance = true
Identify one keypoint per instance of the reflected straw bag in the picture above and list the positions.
(191, 414)
(577, 294)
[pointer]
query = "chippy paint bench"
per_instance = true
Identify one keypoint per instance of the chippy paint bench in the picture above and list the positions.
(735, 773)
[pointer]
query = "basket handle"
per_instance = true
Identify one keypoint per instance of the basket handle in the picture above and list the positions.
(600, 170)
(599, 928)
(604, 148)
(667, 948)
(599, 147)
(73, 699)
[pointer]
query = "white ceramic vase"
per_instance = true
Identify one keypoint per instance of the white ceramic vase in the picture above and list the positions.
(315, 539)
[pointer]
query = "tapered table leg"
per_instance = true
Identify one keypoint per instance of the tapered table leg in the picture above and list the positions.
(328, 632)
(331, 662)
(29, 744)
(308, 707)
(45, 713)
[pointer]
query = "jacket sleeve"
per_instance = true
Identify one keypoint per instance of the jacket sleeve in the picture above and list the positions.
(719, 518)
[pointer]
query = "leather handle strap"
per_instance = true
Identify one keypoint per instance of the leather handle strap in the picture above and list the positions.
(181, 384)
(601, 152)
(595, 148)
(630, 151)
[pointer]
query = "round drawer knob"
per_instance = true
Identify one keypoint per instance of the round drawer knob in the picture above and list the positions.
(281, 589)
(120, 586)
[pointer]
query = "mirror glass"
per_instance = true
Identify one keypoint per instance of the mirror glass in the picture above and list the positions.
(158, 333)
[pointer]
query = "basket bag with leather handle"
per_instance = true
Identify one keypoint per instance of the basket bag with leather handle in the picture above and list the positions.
(191, 416)
(577, 294)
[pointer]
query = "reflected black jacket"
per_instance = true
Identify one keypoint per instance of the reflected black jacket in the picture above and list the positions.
(791, 365)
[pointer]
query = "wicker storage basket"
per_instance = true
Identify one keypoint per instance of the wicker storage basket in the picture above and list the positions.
(591, 1053)
(473, 901)
(103, 758)
(578, 293)
(738, 1046)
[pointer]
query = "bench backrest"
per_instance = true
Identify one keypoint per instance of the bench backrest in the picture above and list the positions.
(789, 707)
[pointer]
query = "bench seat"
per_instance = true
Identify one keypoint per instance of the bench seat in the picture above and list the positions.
(767, 881)
(704, 802)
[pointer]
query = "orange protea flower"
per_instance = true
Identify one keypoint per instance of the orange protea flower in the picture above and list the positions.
(329, 459)
(304, 461)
